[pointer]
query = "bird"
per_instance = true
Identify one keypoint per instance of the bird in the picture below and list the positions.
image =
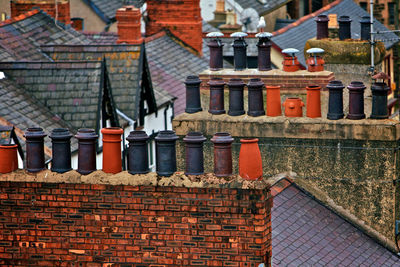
(261, 24)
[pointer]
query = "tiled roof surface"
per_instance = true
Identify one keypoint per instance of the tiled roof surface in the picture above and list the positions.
(305, 233)
(69, 89)
(170, 64)
(22, 35)
(23, 111)
(207, 27)
(102, 38)
(106, 9)
(5, 56)
(296, 34)
(122, 63)
(262, 9)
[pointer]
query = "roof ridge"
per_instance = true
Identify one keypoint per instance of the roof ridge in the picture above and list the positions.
(155, 36)
(305, 18)
(20, 17)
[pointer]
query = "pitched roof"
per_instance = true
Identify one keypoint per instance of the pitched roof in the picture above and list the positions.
(23, 111)
(21, 36)
(71, 90)
(106, 9)
(170, 64)
(297, 33)
(123, 65)
(261, 8)
(306, 233)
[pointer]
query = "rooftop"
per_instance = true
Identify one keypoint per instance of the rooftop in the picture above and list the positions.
(297, 33)
(305, 232)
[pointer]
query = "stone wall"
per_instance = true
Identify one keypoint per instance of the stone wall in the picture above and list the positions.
(352, 164)
(51, 219)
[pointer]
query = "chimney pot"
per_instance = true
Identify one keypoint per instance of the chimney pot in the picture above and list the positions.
(193, 103)
(166, 153)
(194, 153)
(138, 159)
(239, 50)
(264, 50)
(356, 100)
(344, 27)
(365, 24)
(222, 154)
(61, 150)
(86, 151)
(255, 98)
(322, 26)
(236, 102)
(35, 149)
(216, 50)
(379, 101)
(335, 106)
(216, 96)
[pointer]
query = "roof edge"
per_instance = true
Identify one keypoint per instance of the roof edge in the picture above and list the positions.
(305, 18)
(329, 203)
(20, 17)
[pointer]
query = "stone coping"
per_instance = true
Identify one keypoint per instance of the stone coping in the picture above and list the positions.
(178, 179)
(284, 127)
(269, 73)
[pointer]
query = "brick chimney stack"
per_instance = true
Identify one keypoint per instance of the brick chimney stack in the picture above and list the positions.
(181, 17)
(129, 31)
(58, 9)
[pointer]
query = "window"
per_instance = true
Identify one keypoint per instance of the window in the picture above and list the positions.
(364, 5)
(391, 11)
(3, 16)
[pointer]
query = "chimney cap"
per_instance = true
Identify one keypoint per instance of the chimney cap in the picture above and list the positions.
(214, 34)
(315, 50)
(264, 35)
(292, 51)
(239, 34)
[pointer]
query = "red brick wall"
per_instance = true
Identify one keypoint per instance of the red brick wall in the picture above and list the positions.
(19, 7)
(181, 17)
(290, 82)
(128, 25)
(53, 224)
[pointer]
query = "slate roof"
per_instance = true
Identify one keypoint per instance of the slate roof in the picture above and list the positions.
(123, 65)
(102, 38)
(23, 111)
(207, 27)
(106, 9)
(21, 36)
(170, 64)
(262, 9)
(306, 233)
(296, 34)
(70, 90)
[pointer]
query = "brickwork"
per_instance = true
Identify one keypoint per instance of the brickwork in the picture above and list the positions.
(181, 17)
(129, 31)
(62, 8)
(63, 224)
(290, 82)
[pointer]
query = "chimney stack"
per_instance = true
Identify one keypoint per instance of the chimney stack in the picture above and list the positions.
(56, 8)
(129, 31)
(181, 17)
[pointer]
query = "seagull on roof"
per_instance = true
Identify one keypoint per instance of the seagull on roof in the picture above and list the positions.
(261, 24)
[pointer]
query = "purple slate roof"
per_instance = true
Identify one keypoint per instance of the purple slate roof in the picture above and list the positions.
(22, 36)
(306, 233)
